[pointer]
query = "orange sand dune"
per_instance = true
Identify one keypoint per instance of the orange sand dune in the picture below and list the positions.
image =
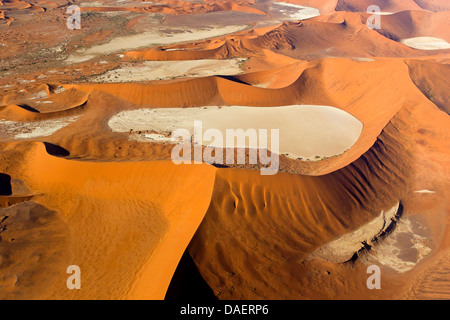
(48, 98)
(79, 193)
(27, 113)
(15, 4)
(312, 87)
(105, 211)
(432, 80)
(275, 78)
(24, 113)
(409, 24)
(272, 223)
(267, 254)
(313, 38)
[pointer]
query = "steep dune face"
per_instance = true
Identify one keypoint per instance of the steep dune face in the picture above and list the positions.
(431, 78)
(276, 78)
(53, 101)
(309, 39)
(107, 210)
(75, 192)
(271, 224)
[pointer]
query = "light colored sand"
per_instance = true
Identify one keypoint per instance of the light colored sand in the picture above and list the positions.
(426, 43)
(343, 248)
(403, 249)
(425, 191)
(152, 38)
(382, 13)
(93, 4)
(306, 132)
(363, 59)
(152, 137)
(29, 130)
(163, 70)
(295, 12)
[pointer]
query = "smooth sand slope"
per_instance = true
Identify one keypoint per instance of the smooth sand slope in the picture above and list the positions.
(119, 226)
(272, 223)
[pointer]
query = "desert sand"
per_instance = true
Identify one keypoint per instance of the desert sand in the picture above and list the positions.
(87, 179)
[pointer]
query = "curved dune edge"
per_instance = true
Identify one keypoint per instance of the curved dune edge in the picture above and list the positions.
(71, 103)
(137, 207)
(431, 79)
(300, 214)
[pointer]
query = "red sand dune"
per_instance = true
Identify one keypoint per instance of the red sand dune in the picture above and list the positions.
(432, 80)
(122, 211)
(104, 199)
